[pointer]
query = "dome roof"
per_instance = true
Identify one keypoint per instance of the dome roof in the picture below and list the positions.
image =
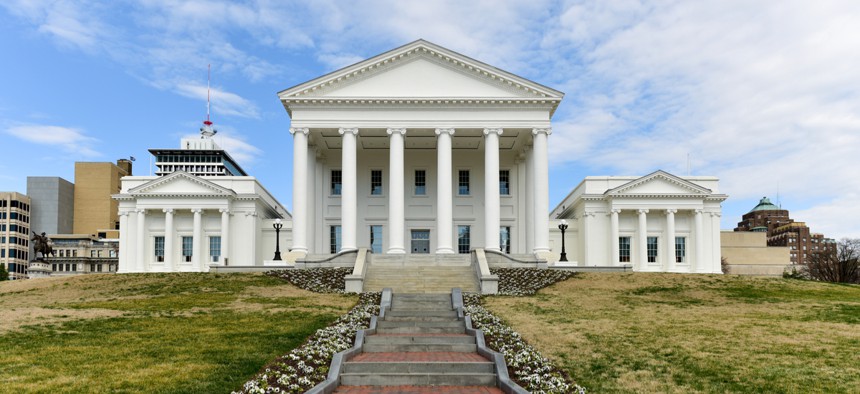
(765, 205)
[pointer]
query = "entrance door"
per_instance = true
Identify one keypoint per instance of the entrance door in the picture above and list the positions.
(420, 241)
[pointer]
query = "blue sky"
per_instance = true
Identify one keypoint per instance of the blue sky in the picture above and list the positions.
(765, 95)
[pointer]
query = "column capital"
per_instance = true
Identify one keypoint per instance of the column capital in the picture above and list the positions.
(672, 211)
(224, 210)
(196, 210)
(448, 131)
(642, 210)
(615, 210)
(124, 213)
(699, 211)
(351, 130)
(398, 130)
(545, 130)
(252, 213)
(587, 214)
(303, 130)
(140, 211)
(715, 214)
(167, 210)
(493, 130)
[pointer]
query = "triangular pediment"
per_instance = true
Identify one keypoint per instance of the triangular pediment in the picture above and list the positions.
(180, 183)
(658, 183)
(420, 70)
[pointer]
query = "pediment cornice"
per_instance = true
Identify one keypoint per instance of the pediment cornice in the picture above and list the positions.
(692, 189)
(151, 188)
(311, 92)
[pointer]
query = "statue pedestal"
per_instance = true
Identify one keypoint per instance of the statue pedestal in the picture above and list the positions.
(38, 269)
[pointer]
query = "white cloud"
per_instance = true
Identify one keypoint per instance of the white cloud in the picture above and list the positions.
(223, 103)
(70, 139)
(234, 144)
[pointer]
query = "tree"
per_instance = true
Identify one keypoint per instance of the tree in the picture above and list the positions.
(840, 264)
(4, 275)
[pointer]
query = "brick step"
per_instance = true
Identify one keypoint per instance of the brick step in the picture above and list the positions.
(418, 390)
(418, 379)
(419, 367)
(418, 339)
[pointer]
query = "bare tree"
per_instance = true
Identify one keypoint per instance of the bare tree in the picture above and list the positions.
(841, 265)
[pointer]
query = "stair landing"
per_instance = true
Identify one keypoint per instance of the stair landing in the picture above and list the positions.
(421, 273)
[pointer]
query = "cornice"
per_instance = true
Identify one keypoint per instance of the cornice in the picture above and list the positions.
(695, 190)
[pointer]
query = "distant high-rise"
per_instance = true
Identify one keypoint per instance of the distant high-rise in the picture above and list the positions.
(95, 210)
(198, 157)
(52, 204)
(782, 230)
(15, 233)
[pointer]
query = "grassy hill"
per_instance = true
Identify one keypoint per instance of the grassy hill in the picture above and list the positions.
(192, 333)
(613, 332)
(669, 333)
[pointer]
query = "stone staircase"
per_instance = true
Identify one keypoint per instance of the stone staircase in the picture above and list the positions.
(419, 346)
(421, 273)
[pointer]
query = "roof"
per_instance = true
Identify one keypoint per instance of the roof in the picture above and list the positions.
(200, 152)
(765, 205)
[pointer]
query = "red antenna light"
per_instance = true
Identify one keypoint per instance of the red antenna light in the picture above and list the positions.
(208, 80)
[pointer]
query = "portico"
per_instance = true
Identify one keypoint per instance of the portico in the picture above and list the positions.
(420, 145)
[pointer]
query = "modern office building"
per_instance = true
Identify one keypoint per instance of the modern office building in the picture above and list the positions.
(52, 204)
(15, 233)
(197, 156)
(95, 210)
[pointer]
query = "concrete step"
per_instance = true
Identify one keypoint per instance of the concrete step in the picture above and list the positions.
(418, 367)
(421, 330)
(403, 389)
(418, 339)
(391, 324)
(417, 347)
(419, 318)
(421, 306)
(418, 379)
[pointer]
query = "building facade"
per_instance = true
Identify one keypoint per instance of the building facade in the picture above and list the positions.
(188, 222)
(95, 210)
(783, 231)
(77, 254)
(659, 222)
(420, 150)
(52, 204)
(15, 233)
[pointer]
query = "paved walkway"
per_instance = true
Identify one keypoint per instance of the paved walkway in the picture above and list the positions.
(418, 390)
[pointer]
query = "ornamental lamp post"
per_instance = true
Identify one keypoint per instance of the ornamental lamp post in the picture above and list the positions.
(278, 225)
(562, 226)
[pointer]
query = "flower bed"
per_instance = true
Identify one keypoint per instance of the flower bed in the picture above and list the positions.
(308, 365)
(526, 366)
(320, 280)
(527, 281)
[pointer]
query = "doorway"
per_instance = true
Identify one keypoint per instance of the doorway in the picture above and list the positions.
(421, 241)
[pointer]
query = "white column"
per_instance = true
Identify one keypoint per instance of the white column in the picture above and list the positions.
(349, 196)
(492, 201)
(445, 196)
(530, 198)
(670, 240)
(141, 241)
(642, 245)
(396, 208)
(300, 186)
(698, 264)
(312, 198)
(716, 254)
(197, 240)
(519, 244)
(541, 189)
(169, 262)
(252, 247)
(124, 263)
(613, 234)
(586, 238)
(225, 235)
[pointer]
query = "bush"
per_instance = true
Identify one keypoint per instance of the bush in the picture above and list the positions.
(4, 275)
(724, 265)
(839, 265)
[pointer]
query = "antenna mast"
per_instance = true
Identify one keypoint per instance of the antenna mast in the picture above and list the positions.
(207, 131)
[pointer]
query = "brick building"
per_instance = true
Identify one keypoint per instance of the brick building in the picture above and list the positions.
(782, 230)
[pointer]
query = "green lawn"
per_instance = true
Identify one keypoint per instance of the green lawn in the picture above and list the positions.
(638, 332)
(194, 333)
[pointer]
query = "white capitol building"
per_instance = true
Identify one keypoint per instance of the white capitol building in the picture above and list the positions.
(419, 150)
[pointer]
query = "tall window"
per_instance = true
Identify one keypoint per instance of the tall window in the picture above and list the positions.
(505, 182)
(652, 249)
(376, 239)
(376, 182)
(464, 183)
(505, 239)
(680, 249)
(463, 239)
(159, 249)
(187, 248)
(624, 249)
(215, 248)
(334, 239)
(420, 182)
(336, 182)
